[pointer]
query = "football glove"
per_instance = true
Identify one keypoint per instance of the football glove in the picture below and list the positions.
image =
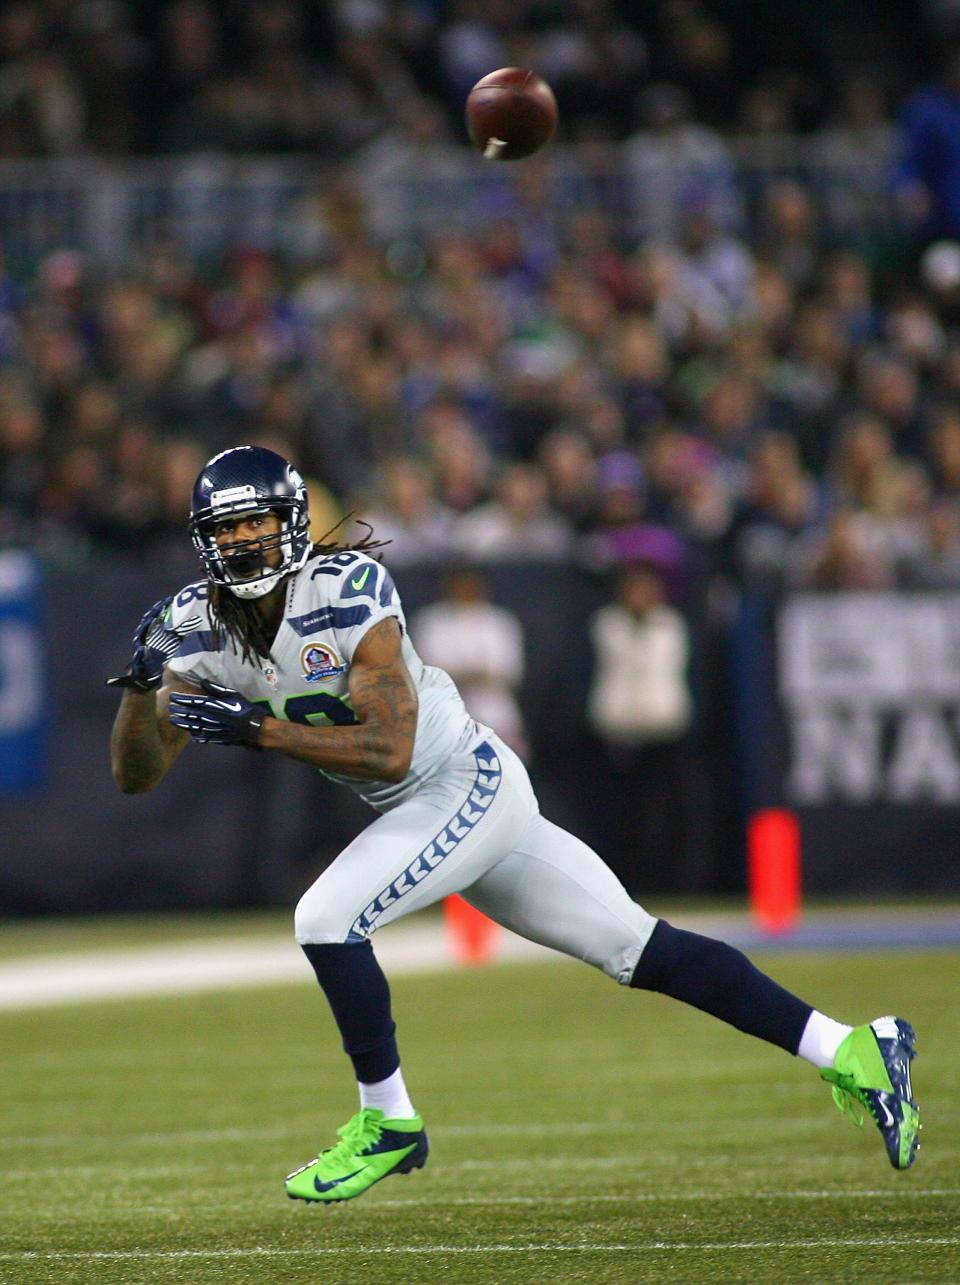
(222, 717)
(154, 643)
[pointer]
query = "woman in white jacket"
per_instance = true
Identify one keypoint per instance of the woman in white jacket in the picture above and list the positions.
(640, 709)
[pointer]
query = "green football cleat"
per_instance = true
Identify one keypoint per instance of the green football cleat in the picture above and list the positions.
(872, 1070)
(370, 1148)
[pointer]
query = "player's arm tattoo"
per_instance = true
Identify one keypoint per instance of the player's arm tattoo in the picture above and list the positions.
(379, 746)
(144, 744)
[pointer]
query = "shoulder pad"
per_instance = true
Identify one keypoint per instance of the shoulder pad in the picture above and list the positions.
(350, 575)
(190, 600)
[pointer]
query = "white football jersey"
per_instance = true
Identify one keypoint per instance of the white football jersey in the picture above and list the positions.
(330, 604)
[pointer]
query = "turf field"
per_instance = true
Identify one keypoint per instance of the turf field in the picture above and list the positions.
(580, 1132)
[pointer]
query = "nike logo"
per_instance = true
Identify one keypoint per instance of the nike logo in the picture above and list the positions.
(328, 1186)
(889, 1121)
(360, 580)
(235, 708)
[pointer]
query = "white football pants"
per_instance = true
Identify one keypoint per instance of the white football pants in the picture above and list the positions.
(475, 829)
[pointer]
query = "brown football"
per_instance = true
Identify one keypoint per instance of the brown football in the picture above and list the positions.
(511, 113)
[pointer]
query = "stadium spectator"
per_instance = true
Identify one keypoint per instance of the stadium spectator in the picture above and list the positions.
(846, 288)
(696, 49)
(853, 149)
(928, 176)
(686, 493)
(42, 108)
(624, 530)
(729, 416)
(671, 154)
(516, 525)
(605, 60)
(780, 502)
(944, 454)
(570, 468)
(934, 563)
(403, 511)
(481, 646)
(640, 364)
(847, 554)
(189, 55)
(461, 462)
(714, 263)
(811, 379)
(640, 710)
(889, 388)
(112, 65)
(472, 42)
(788, 235)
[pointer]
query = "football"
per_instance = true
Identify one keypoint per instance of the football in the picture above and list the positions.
(510, 114)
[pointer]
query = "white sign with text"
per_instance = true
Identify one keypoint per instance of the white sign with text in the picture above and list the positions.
(870, 684)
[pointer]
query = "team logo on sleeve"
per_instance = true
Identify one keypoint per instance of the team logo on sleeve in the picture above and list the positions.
(320, 663)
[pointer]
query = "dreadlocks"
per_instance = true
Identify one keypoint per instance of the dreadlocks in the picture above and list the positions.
(239, 621)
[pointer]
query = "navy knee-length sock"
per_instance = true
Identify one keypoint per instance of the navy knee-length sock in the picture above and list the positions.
(719, 979)
(357, 991)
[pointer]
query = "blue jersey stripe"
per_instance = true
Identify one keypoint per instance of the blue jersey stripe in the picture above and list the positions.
(200, 640)
(329, 618)
(386, 589)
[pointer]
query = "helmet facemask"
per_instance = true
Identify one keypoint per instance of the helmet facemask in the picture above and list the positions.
(242, 567)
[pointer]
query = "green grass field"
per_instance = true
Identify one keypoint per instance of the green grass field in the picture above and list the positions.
(580, 1132)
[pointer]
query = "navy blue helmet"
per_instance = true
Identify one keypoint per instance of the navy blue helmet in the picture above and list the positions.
(241, 482)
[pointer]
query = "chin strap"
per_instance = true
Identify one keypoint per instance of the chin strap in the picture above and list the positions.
(256, 588)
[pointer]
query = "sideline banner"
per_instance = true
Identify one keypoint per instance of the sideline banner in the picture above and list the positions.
(853, 722)
(870, 685)
(23, 697)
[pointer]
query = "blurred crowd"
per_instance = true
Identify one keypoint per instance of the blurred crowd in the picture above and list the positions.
(780, 411)
(779, 407)
(114, 77)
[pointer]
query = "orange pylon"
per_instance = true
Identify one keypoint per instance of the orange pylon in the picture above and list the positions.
(774, 876)
(472, 936)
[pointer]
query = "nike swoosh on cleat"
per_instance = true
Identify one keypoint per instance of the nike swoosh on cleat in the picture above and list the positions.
(328, 1186)
(360, 580)
(889, 1122)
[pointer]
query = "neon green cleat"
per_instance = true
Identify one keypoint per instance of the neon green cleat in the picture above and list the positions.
(370, 1148)
(872, 1070)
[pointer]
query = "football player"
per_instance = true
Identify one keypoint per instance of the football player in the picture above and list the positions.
(301, 649)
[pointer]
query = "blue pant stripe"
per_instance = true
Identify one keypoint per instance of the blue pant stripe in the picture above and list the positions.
(479, 797)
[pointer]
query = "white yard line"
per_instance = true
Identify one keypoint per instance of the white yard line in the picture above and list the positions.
(548, 1199)
(398, 1251)
(39, 982)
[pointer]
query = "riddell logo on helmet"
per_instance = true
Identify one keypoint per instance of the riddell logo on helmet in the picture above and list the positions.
(320, 663)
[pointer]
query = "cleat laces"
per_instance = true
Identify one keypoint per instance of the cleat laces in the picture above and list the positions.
(360, 1132)
(849, 1103)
